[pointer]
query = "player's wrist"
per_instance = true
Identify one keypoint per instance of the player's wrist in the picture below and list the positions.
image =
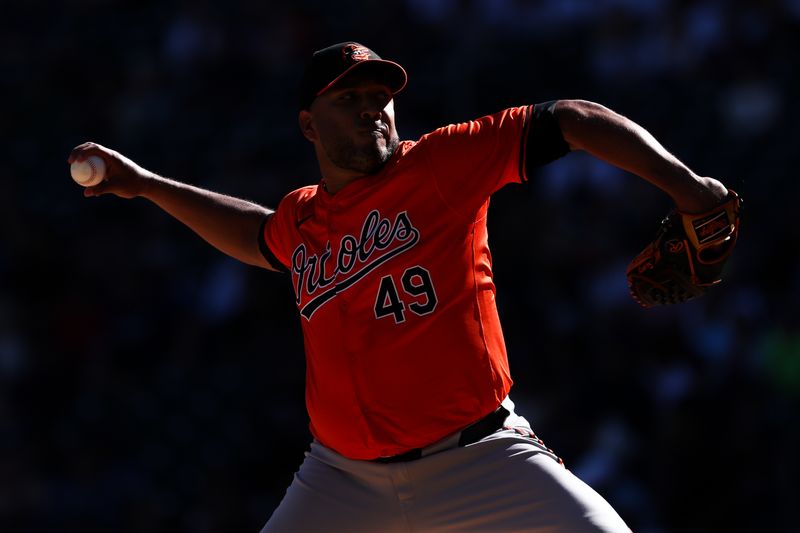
(148, 183)
(703, 194)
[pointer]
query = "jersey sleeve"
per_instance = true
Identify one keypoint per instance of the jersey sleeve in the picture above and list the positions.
(472, 160)
(274, 236)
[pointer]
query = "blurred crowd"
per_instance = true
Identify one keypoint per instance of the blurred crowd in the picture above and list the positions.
(149, 383)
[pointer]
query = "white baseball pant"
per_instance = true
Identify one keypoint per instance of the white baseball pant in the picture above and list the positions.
(506, 482)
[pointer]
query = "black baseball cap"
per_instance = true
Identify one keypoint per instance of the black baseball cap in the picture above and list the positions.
(331, 64)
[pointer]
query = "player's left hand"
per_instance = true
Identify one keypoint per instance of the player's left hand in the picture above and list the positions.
(687, 256)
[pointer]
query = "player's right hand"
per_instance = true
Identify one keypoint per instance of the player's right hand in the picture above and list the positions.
(123, 177)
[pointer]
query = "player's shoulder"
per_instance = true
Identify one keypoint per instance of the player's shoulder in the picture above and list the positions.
(475, 126)
(301, 194)
(297, 201)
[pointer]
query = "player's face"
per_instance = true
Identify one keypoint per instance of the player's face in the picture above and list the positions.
(354, 123)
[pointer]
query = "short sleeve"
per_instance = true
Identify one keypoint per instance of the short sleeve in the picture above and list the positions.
(274, 236)
(470, 161)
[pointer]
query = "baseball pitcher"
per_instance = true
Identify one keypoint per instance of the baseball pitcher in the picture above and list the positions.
(408, 382)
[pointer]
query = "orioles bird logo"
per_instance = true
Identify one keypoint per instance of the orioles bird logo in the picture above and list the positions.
(355, 53)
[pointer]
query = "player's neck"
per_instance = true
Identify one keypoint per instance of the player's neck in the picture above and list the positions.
(335, 179)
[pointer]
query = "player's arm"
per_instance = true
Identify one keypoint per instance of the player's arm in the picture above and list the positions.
(229, 224)
(623, 143)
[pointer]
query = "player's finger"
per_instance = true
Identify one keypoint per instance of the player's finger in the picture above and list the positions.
(79, 153)
(82, 151)
(96, 190)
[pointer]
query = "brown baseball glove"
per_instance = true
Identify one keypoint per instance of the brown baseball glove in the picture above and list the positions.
(687, 256)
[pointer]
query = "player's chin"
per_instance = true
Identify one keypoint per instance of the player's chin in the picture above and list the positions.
(374, 147)
(372, 138)
(369, 161)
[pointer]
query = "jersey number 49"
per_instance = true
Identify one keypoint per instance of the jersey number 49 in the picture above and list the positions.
(417, 290)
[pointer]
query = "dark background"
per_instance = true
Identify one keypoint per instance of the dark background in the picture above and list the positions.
(149, 383)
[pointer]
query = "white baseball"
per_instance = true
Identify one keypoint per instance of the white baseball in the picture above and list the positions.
(89, 172)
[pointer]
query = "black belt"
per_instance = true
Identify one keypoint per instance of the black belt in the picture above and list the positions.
(480, 429)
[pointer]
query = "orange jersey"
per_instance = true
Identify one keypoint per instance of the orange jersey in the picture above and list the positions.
(393, 282)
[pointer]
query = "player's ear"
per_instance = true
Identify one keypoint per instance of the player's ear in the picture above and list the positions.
(306, 122)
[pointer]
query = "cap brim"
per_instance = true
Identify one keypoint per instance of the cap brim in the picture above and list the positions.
(388, 72)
